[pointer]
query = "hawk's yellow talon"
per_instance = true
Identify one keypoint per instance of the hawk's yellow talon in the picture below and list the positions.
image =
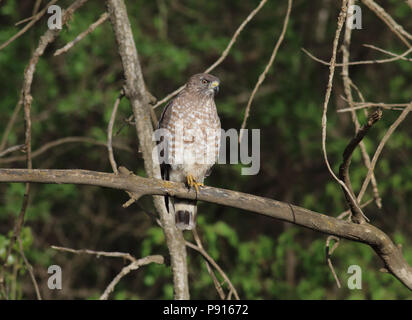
(191, 182)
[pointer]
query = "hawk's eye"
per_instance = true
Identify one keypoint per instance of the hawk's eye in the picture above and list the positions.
(204, 81)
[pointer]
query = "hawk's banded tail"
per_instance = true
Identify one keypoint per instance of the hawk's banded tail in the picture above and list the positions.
(185, 213)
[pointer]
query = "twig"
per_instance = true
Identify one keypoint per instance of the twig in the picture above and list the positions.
(10, 124)
(214, 264)
(357, 214)
(126, 270)
(235, 35)
(341, 20)
(134, 263)
(30, 269)
(209, 269)
(224, 53)
(35, 10)
(363, 105)
(26, 98)
(352, 63)
(61, 141)
(402, 56)
(12, 149)
(266, 70)
(24, 20)
(378, 151)
(28, 26)
(329, 256)
(348, 212)
(374, 183)
(110, 133)
(98, 254)
(348, 92)
(396, 28)
(91, 28)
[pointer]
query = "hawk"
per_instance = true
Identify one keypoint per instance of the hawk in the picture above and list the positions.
(190, 142)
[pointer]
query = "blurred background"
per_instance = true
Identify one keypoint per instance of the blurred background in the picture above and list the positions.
(74, 95)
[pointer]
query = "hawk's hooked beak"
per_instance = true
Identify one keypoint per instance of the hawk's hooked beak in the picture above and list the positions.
(215, 86)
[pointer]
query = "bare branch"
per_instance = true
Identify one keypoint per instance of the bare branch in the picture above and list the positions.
(11, 123)
(348, 92)
(364, 105)
(268, 66)
(134, 264)
(12, 149)
(224, 54)
(402, 56)
(28, 26)
(329, 252)
(110, 133)
(217, 267)
(30, 269)
(36, 8)
(353, 63)
(209, 269)
(378, 151)
(341, 20)
(61, 141)
(365, 233)
(26, 98)
(235, 36)
(98, 254)
(89, 30)
(396, 28)
(126, 270)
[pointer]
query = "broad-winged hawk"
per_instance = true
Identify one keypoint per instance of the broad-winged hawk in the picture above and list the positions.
(191, 141)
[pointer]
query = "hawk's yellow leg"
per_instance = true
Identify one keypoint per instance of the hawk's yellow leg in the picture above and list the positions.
(191, 182)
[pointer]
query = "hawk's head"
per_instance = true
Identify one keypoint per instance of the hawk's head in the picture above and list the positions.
(204, 84)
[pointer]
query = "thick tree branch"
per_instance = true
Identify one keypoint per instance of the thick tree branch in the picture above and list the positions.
(136, 92)
(364, 233)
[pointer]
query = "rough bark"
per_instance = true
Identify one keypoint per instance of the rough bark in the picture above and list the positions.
(390, 254)
(136, 92)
